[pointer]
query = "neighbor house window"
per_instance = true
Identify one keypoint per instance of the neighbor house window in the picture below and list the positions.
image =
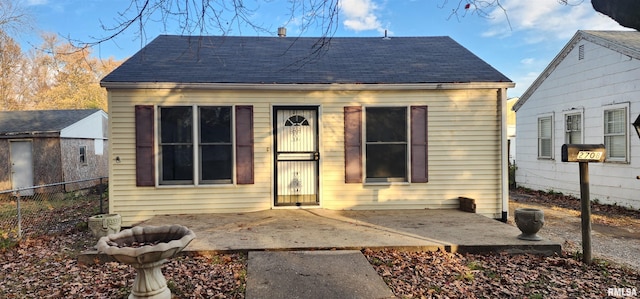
(573, 129)
(615, 134)
(212, 162)
(83, 155)
(545, 134)
(386, 144)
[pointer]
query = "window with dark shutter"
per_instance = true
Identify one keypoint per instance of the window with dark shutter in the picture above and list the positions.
(145, 168)
(244, 145)
(386, 144)
(353, 144)
(419, 145)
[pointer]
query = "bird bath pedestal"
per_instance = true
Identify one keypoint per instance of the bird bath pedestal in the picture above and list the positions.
(147, 248)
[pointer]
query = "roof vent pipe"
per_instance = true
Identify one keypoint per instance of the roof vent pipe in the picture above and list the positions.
(385, 35)
(282, 32)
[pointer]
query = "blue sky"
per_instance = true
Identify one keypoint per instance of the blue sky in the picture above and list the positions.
(520, 47)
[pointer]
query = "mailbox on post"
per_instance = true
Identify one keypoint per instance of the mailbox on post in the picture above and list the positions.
(583, 153)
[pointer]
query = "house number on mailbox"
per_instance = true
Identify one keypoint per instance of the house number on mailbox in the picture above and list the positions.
(589, 155)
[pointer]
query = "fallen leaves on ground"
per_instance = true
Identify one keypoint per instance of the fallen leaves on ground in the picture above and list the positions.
(451, 275)
(47, 267)
(571, 202)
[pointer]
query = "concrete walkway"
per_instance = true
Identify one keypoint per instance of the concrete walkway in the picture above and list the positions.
(314, 253)
(313, 275)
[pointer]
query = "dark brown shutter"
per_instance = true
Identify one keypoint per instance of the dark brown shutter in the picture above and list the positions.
(145, 165)
(244, 144)
(353, 144)
(419, 145)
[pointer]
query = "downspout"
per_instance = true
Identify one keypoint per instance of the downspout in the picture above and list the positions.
(504, 155)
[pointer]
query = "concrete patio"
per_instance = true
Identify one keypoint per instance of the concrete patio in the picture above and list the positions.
(318, 229)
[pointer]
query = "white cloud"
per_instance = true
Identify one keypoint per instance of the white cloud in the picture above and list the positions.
(528, 61)
(542, 20)
(360, 15)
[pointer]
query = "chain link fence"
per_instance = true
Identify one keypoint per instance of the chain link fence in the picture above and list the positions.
(51, 208)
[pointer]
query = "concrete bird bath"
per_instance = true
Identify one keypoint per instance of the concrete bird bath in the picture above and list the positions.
(147, 248)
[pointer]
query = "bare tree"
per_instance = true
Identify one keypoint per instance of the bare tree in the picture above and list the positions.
(13, 17)
(226, 17)
(223, 17)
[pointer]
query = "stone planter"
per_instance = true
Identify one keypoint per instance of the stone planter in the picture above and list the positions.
(104, 224)
(529, 221)
(146, 249)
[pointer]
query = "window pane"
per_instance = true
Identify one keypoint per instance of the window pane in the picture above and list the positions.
(177, 162)
(545, 147)
(574, 137)
(573, 128)
(614, 121)
(216, 162)
(176, 125)
(544, 127)
(544, 137)
(615, 135)
(386, 161)
(387, 124)
(616, 147)
(215, 124)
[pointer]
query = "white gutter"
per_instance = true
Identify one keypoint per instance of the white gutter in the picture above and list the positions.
(504, 153)
(304, 87)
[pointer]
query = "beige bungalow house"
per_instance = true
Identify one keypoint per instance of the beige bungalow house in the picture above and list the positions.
(218, 124)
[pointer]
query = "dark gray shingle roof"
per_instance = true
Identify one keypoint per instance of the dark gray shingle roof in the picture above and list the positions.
(40, 121)
(290, 60)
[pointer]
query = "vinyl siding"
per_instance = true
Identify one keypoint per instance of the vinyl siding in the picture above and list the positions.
(464, 153)
(604, 79)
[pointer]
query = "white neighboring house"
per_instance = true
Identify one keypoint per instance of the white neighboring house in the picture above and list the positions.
(590, 94)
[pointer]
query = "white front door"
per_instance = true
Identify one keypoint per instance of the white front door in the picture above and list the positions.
(296, 156)
(22, 166)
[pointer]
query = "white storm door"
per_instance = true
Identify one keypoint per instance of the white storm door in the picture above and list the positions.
(22, 166)
(296, 156)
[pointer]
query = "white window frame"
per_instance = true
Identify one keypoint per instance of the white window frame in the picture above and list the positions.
(83, 155)
(624, 134)
(196, 144)
(539, 138)
(568, 130)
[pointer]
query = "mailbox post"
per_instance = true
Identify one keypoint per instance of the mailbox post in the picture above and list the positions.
(583, 154)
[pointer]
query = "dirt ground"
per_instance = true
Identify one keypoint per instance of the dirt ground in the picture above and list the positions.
(615, 231)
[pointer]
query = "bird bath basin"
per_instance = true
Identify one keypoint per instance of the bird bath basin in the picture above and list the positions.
(146, 249)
